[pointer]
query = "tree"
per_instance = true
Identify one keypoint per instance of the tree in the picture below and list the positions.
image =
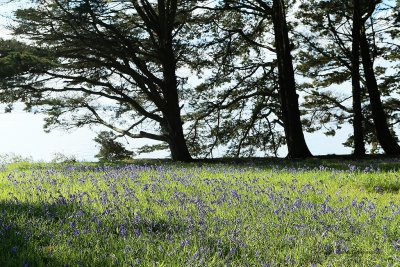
(289, 105)
(236, 108)
(116, 65)
(386, 138)
(289, 99)
(359, 146)
(17, 58)
(329, 56)
(111, 150)
(18, 62)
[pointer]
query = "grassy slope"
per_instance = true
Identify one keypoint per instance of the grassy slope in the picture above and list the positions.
(295, 213)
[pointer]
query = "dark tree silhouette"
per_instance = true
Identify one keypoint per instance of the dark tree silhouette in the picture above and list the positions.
(359, 146)
(289, 103)
(116, 64)
(110, 149)
(296, 144)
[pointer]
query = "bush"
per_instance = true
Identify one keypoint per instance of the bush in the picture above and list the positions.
(59, 157)
(111, 150)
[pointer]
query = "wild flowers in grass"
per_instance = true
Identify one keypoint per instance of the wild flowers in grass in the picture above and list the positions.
(210, 215)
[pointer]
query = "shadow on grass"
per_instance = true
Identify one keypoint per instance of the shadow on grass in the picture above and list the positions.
(27, 234)
(20, 246)
(383, 186)
(382, 163)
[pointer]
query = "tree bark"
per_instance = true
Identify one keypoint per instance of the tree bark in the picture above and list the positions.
(386, 139)
(176, 137)
(359, 146)
(171, 110)
(177, 143)
(297, 147)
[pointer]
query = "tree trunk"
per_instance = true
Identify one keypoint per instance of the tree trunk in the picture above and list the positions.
(172, 114)
(386, 139)
(171, 110)
(177, 143)
(297, 147)
(176, 137)
(359, 147)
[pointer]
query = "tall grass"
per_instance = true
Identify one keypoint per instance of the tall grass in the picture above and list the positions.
(306, 214)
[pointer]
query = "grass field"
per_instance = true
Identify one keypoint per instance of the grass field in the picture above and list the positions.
(267, 213)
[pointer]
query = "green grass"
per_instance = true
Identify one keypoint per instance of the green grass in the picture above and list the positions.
(252, 213)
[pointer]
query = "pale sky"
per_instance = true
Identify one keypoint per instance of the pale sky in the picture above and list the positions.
(22, 133)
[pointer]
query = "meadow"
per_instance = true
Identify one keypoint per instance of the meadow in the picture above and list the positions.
(266, 213)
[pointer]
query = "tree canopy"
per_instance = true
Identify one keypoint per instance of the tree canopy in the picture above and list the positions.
(116, 64)
(241, 76)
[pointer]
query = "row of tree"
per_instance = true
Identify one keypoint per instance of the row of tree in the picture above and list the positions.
(129, 66)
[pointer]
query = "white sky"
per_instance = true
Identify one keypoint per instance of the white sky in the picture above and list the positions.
(22, 133)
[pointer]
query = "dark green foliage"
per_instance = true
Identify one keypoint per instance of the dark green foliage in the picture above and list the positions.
(151, 148)
(118, 64)
(17, 58)
(325, 59)
(236, 108)
(240, 106)
(128, 65)
(19, 62)
(111, 150)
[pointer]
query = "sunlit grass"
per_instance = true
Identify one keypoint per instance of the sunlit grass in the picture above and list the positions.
(305, 213)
